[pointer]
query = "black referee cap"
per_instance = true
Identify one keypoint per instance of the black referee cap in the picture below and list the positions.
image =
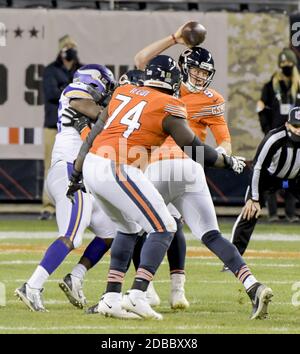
(294, 117)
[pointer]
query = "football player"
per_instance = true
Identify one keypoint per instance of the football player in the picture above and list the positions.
(136, 120)
(205, 108)
(91, 85)
(176, 251)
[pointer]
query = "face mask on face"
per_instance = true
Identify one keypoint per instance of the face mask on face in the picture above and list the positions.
(287, 71)
(70, 54)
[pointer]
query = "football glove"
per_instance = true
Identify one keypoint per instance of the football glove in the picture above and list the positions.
(73, 118)
(234, 163)
(75, 184)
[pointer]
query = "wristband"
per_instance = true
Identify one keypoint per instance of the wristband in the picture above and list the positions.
(173, 37)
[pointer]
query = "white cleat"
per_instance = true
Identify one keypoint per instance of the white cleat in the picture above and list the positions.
(152, 296)
(136, 301)
(31, 297)
(72, 287)
(110, 306)
(178, 300)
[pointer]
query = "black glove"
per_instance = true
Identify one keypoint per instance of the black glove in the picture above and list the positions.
(235, 163)
(73, 118)
(75, 185)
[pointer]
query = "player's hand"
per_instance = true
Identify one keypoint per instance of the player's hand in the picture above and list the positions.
(251, 209)
(73, 118)
(234, 163)
(75, 184)
(178, 34)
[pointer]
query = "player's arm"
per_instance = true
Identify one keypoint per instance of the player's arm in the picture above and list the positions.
(81, 113)
(221, 134)
(87, 107)
(142, 58)
(88, 142)
(76, 176)
(190, 143)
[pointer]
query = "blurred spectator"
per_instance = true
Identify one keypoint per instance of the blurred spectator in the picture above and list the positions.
(279, 96)
(57, 76)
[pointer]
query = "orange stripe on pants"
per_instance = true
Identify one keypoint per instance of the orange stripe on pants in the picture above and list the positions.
(139, 199)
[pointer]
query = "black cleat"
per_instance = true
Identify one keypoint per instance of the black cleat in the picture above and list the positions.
(260, 296)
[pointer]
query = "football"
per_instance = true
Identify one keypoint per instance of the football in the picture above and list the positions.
(193, 33)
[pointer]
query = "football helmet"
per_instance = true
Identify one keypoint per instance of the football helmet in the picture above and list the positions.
(163, 72)
(198, 58)
(135, 77)
(99, 79)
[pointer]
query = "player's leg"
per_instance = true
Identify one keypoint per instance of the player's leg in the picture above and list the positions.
(161, 173)
(151, 293)
(198, 211)
(72, 219)
(126, 192)
(176, 257)
(242, 230)
(72, 283)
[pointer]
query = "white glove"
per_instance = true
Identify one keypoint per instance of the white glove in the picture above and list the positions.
(235, 163)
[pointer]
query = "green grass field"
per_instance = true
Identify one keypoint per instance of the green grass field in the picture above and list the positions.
(218, 301)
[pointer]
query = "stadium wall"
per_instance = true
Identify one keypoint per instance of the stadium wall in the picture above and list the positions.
(245, 49)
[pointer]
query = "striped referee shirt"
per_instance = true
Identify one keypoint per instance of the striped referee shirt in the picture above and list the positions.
(278, 156)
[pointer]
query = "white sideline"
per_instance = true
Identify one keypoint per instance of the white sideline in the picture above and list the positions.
(6, 235)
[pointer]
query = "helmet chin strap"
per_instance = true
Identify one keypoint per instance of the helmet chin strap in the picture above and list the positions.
(193, 88)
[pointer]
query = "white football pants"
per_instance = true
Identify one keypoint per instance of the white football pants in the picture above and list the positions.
(127, 196)
(182, 182)
(73, 219)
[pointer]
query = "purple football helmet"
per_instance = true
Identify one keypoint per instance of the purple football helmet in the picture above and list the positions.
(98, 78)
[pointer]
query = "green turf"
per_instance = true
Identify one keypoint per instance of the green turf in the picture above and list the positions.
(218, 302)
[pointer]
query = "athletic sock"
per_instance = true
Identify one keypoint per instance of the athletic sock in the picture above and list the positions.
(95, 250)
(177, 250)
(245, 276)
(79, 271)
(54, 255)
(38, 278)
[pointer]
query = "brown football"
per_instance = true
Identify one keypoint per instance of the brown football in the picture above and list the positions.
(193, 33)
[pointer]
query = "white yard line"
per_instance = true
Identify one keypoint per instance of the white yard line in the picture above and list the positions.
(230, 280)
(126, 327)
(12, 235)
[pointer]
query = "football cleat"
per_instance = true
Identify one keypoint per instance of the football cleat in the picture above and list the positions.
(152, 296)
(110, 306)
(136, 301)
(225, 269)
(178, 300)
(32, 298)
(260, 296)
(72, 287)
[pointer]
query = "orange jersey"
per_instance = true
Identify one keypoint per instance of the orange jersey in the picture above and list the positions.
(205, 109)
(134, 127)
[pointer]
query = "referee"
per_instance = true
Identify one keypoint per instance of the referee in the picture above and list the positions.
(276, 165)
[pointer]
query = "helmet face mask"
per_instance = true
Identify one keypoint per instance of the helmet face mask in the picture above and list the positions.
(134, 77)
(99, 79)
(197, 66)
(163, 72)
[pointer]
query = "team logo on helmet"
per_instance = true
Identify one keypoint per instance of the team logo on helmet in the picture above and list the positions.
(163, 72)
